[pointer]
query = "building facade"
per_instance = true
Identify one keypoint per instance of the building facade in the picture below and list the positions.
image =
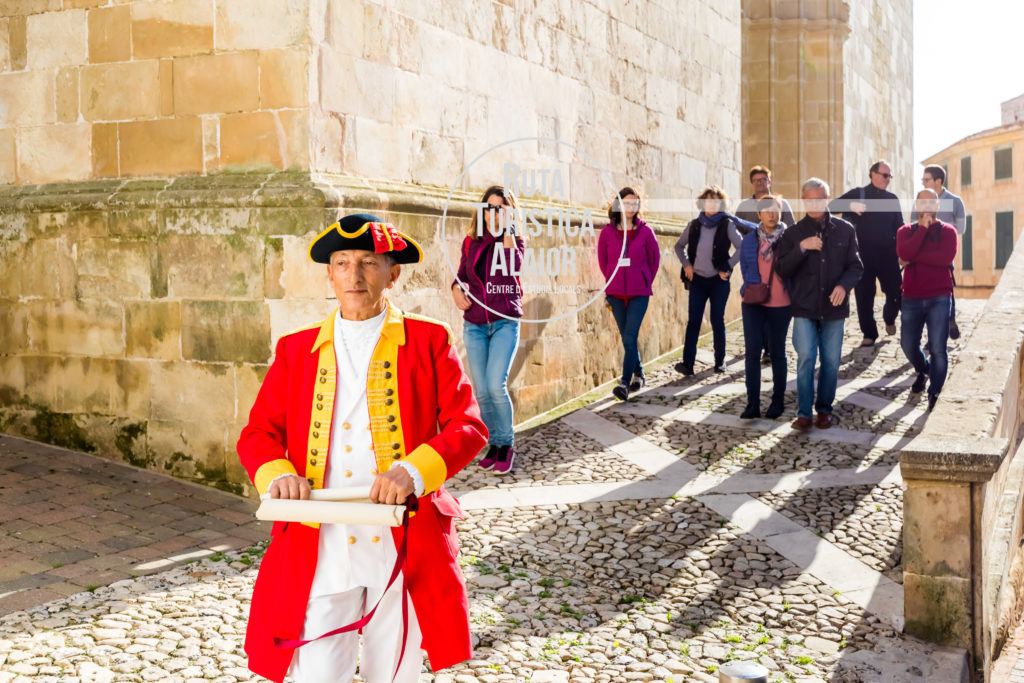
(987, 170)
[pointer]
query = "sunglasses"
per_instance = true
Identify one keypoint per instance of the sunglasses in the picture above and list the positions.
(885, 175)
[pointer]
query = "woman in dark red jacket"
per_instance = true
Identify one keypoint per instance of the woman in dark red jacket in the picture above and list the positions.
(491, 298)
(926, 250)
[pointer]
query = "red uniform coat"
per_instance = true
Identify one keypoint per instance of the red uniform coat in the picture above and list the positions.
(422, 411)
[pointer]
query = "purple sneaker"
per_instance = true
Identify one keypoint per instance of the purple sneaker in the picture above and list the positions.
(506, 456)
(487, 462)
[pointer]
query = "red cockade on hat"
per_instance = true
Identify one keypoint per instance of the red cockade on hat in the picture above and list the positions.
(386, 238)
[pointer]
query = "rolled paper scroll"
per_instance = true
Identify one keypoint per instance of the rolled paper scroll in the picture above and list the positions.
(351, 494)
(330, 512)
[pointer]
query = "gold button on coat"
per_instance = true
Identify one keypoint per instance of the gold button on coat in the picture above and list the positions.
(348, 473)
(346, 425)
(375, 539)
(351, 540)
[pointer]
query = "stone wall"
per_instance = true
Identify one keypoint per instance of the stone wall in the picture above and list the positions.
(878, 80)
(963, 502)
(141, 315)
(413, 91)
(98, 89)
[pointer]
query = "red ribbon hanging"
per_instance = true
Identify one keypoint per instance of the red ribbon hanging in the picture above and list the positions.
(386, 238)
(411, 505)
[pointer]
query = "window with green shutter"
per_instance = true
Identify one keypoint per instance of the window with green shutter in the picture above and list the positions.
(1004, 163)
(1004, 238)
(965, 172)
(967, 246)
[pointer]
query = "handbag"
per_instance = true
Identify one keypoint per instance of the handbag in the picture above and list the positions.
(759, 293)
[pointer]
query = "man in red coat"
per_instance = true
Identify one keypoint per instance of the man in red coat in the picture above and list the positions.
(369, 396)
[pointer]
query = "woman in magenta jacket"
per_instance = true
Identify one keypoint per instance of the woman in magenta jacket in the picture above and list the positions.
(629, 280)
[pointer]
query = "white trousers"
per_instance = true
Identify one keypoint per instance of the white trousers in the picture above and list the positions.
(333, 660)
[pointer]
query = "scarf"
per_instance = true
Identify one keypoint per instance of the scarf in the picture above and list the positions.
(711, 221)
(767, 242)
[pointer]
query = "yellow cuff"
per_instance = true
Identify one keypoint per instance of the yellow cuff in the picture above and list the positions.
(430, 465)
(269, 470)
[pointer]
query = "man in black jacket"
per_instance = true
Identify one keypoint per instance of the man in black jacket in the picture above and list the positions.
(819, 258)
(876, 215)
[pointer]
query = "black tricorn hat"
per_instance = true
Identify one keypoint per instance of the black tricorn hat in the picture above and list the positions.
(368, 233)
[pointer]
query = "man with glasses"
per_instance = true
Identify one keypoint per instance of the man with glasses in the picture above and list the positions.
(876, 215)
(761, 184)
(951, 211)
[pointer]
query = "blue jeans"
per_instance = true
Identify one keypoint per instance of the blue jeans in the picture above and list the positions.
(809, 338)
(934, 313)
(490, 349)
(629, 317)
(703, 290)
(765, 327)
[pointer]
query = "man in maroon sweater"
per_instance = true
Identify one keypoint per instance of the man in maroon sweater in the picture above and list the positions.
(926, 250)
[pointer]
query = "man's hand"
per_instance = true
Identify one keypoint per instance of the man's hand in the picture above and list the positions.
(858, 208)
(723, 274)
(903, 264)
(292, 487)
(837, 295)
(462, 301)
(392, 487)
(688, 270)
(812, 243)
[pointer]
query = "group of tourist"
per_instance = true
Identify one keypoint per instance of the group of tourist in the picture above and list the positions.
(794, 273)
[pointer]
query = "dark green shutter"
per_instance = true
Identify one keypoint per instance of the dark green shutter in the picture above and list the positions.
(1004, 238)
(967, 247)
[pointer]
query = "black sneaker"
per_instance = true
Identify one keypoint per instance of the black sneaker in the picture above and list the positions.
(750, 413)
(954, 330)
(922, 379)
(621, 391)
(774, 410)
(638, 383)
(932, 398)
(684, 368)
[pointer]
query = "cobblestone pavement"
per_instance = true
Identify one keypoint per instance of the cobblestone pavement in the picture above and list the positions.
(652, 540)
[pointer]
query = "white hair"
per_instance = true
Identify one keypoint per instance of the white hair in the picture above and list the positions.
(816, 184)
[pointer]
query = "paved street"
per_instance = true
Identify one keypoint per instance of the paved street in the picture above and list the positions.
(651, 540)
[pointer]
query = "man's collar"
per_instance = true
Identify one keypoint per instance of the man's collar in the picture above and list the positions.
(394, 327)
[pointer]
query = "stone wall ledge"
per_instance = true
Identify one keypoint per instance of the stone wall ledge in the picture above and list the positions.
(298, 189)
(952, 458)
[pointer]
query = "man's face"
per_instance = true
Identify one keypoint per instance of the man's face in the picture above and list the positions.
(930, 183)
(360, 279)
(815, 201)
(927, 202)
(881, 177)
(761, 183)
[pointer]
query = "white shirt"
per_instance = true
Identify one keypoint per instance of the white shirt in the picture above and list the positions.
(349, 557)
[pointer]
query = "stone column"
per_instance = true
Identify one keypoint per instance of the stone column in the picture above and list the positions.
(793, 90)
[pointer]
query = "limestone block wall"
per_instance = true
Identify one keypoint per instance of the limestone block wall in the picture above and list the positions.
(878, 82)
(98, 89)
(414, 91)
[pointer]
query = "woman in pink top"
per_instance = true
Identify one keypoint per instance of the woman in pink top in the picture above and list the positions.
(769, 318)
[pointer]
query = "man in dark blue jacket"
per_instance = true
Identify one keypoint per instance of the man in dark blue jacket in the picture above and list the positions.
(876, 214)
(819, 257)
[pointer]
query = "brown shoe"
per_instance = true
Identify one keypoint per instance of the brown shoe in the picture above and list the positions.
(802, 423)
(826, 420)
(867, 341)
